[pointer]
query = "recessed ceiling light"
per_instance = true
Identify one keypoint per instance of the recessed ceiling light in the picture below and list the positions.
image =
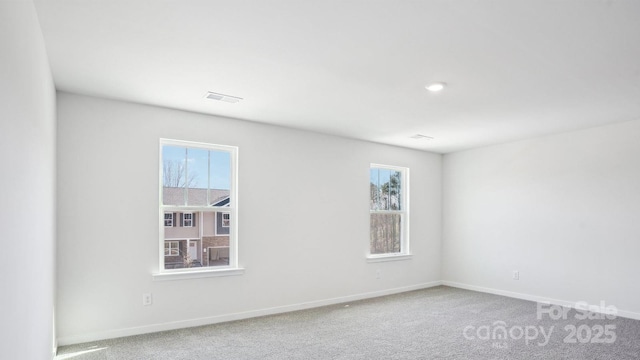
(421, 137)
(435, 87)
(221, 97)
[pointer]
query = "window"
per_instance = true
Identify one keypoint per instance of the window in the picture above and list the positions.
(171, 248)
(187, 219)
(168, 219)
(197, 181)
(226, 219)
(389, 233)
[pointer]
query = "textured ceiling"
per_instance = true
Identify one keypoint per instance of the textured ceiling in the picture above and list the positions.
(514, 69)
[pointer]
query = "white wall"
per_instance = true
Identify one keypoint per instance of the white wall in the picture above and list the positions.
(564, 210)
(313, 187)
(27, 186)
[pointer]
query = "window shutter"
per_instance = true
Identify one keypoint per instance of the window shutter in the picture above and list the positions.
(173, 221)
(193, 219)
(181, 218)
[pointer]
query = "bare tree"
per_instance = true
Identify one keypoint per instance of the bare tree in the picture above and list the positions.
(174, 174)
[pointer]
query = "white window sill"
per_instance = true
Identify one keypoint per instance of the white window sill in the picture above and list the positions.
(388, 257)
(196, 274)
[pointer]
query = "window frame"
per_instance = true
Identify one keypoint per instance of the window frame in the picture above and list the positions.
(405, 250)
(177, 248)
(233, 267)
(228, 221)
(184, 219)
(171, 219)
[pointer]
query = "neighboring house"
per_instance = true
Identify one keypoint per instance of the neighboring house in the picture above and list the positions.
(199, 238)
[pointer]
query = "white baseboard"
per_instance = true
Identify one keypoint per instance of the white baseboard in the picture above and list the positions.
(110, 334)
(511, 294)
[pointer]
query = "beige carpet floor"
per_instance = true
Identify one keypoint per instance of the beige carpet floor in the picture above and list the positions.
(435, 323)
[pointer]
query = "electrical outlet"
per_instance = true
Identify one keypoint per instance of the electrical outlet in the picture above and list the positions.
(516, 275)
(146, 299)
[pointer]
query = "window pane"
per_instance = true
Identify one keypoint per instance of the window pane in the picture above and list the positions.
(384, 175)
(386, 233)
(376, 190)
(219, 178)
(177, 255)
(216, 248)
(395, 191)
(386, 189)
(168, 219)
(173, 175)
(196, 176)
(187, 220)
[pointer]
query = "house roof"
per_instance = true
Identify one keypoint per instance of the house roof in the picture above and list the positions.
(195, 196)
(224, 202)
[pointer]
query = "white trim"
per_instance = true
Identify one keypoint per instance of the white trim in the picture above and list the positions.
(405, 214)
(172, 218)
(535, 298)
(185, 220)
(87, 337)
(223, 214)
(233, 204)
(390, 167)
(161, 209)
(196, 274)
(374, 258)
(170, 242)
(187, 209)
(195, 144)
(231, 208)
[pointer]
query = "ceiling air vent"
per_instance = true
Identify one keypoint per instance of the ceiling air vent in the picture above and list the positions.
(222, 97)
(421, 137)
